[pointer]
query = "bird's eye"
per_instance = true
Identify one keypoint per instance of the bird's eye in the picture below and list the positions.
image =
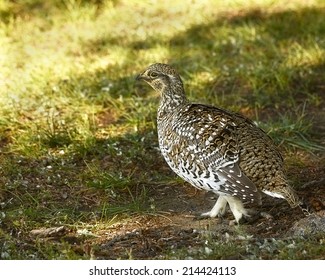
(153, 75)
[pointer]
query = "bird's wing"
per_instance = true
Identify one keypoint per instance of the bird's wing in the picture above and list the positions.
(238, 184)
(216, 144)
(225, 163)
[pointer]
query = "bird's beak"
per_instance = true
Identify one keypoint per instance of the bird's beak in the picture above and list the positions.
(142, 77)
(139, 77)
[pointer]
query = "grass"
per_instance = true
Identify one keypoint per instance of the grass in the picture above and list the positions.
(249, 248)
(78, 138)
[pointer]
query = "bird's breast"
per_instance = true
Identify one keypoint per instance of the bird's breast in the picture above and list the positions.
(186, 159)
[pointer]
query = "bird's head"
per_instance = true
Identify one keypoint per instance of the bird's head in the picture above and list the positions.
(162, 78)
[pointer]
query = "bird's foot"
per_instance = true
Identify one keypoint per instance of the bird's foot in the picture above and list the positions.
(207, 215)
(253, 215)
(219, 209)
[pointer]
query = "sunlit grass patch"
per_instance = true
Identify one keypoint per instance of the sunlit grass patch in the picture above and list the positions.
(292, 130)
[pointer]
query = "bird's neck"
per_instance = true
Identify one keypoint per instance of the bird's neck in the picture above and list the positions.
(170, 101)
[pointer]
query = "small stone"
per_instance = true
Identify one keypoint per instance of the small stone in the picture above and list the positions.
(312, 224)
(207, 250)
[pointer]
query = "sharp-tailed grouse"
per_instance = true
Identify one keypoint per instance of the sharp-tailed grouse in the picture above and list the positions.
(215, 149)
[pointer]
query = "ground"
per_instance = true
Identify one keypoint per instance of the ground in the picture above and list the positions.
(81, 175)
(172, 230)
(146, 237)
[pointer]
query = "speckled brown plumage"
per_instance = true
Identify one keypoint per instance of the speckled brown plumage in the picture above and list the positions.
(214, 149)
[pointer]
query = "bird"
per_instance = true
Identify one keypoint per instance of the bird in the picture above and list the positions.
(215, 149)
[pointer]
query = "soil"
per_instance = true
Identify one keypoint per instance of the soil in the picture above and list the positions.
(176, 225)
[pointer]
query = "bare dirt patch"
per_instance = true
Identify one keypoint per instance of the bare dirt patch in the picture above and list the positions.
(174, 226)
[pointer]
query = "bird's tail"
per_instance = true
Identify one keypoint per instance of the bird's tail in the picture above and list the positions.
(288, 192)
(291, 196)
(281, 188)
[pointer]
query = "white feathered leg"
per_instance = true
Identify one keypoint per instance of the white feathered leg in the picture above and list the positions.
(236, 207)
(218, 209)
